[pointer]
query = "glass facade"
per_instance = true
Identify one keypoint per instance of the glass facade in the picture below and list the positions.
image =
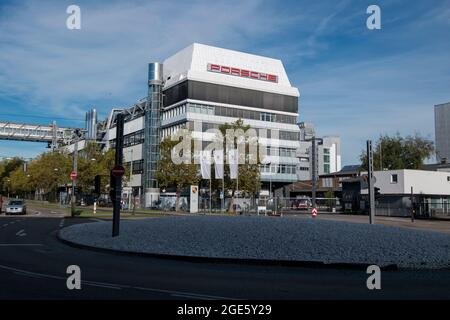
(230, 95)
(228, 112)
(326, 160)
(279, 169)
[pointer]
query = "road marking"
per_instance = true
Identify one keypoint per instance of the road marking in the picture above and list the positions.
(5, 225)
(198, 296)
(21, 233)
(61, 224)
(24, 274)
(191, 297)
(116, 286)
(19, 244)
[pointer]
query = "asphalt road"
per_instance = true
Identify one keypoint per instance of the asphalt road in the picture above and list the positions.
(33, 265)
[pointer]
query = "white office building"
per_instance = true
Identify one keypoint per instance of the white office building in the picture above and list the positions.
(212, 86)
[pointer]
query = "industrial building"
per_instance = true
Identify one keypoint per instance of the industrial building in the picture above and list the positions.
(210, 86)
(401, 191)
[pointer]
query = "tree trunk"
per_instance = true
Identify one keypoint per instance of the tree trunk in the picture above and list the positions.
(231, 203)
(177, 202)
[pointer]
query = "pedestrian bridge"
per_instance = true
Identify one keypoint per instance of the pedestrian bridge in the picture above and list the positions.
(35, 133)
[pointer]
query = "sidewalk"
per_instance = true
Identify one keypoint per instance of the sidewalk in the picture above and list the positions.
(418, 224)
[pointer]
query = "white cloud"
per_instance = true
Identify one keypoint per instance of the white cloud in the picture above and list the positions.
(60, 70)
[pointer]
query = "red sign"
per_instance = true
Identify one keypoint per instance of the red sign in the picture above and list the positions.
(242, 73)
(73, 175)
(118, 171)
(314, 212)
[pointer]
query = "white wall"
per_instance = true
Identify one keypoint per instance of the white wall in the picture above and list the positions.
(426, 182)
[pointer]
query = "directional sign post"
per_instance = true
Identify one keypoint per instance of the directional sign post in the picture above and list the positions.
(314, 212)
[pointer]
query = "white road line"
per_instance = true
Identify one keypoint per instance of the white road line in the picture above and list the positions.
(19, 244)
(24, 274)
(191, 297)
(21, 233)
(5, 225)
(198, 296)
(117, 286)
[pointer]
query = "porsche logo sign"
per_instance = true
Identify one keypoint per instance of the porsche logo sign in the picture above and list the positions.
(242, 73)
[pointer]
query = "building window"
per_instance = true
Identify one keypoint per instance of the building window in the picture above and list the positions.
(328, 182)
(394, 178)
(326, 168)
(138, 166)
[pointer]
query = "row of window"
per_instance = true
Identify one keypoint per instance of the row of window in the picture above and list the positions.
(280, 168)
(167, 132)
(326, 160)
(174, 112)
(282, 152)
(131, 139)
(228, 112)
(138, 166)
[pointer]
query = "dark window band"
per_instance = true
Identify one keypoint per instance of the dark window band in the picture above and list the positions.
(230, 95)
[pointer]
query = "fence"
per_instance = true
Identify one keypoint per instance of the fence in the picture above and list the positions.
(426, 209)
(304, 205)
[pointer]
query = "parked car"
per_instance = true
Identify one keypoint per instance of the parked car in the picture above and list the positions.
(303, 204)
(16, 207)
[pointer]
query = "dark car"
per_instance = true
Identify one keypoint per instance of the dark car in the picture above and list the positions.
(16, 207)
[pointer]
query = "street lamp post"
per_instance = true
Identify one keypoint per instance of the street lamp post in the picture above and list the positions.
(75, 169)
(56, 184)
(9, 181)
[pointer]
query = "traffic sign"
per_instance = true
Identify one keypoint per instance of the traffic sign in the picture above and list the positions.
(118, 171)
(73, 175)
(314, 212)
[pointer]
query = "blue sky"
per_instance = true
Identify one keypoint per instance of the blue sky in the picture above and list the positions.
(354, 82)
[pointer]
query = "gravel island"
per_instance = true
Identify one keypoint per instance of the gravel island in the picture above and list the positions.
(270, 238)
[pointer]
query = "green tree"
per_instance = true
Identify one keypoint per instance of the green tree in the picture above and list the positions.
(92, 161)
(329, 195)
(20, 182)
(396, 152)
(6, 168)
(49, 171)
(170, 174)
(248, 173)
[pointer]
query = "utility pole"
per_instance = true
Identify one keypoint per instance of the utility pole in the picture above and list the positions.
(117, 174)
(412, 205)
(371, 190)
(314, 171)
(381, 154)
(131, 188)
(74, 181)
